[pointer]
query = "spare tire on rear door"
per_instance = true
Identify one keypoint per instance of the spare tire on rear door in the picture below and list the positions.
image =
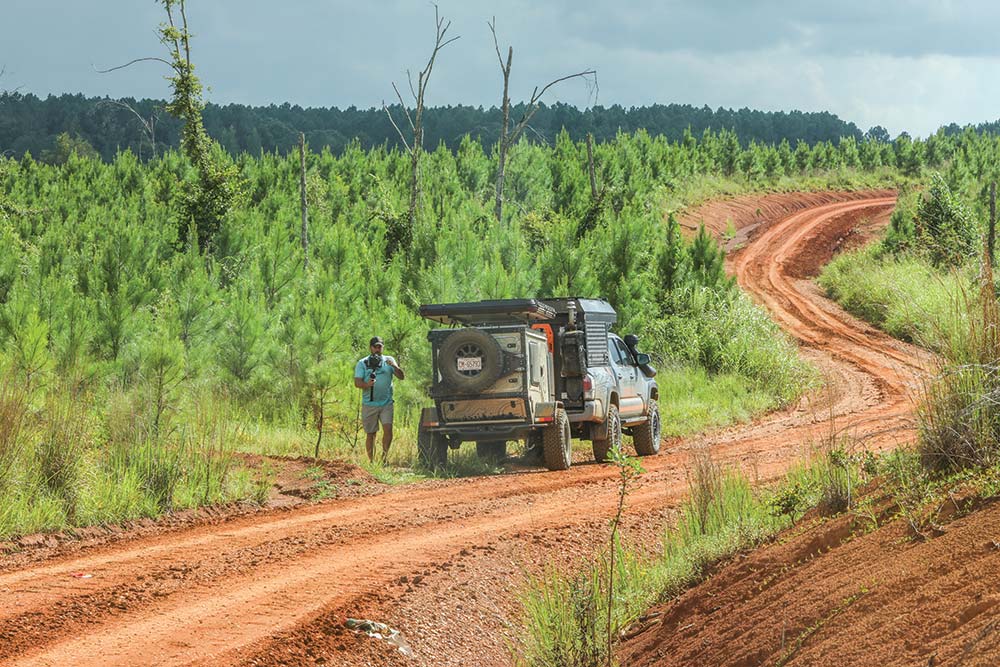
(469, 361)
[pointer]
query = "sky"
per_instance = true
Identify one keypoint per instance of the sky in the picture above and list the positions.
(908, 65)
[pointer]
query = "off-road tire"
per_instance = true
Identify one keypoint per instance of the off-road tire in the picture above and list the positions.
(614, 440)
(469, 342)
(646, 436)
(492, 450)
(557, 442)
(432, 449)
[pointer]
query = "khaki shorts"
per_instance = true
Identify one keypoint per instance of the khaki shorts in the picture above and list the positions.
(371, 415)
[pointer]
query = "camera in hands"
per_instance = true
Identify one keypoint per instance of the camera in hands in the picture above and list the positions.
(373, 362)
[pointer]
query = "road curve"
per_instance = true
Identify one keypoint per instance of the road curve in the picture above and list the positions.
(440, 560)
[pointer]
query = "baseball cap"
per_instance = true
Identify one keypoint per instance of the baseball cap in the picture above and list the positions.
(376, 340)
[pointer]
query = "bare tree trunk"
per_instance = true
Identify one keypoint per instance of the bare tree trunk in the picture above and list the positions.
(991, 240)
(152, 132)
(501, 165)
(590, 165)
(415, 175)
(504, 128)
(303, 201)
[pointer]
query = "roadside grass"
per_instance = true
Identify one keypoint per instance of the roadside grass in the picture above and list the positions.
(564, 615)
(727, 334)
(906, 296)
(692, 400)
(68, 463)
(958, 415)
(954, 313)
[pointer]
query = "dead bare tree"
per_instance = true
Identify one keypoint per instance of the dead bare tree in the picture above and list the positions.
(590, 166)
(304, 203)
(509, 136)
(415, 120)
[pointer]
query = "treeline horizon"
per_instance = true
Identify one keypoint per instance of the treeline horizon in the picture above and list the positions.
(30, 124)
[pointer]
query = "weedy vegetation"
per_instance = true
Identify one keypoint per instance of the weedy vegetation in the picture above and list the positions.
(575, 619)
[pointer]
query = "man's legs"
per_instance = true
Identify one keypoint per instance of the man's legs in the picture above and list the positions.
(369, 420)
(385, 416)
(386, 441)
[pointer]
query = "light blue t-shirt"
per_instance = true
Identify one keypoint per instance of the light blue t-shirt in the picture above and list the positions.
(383, 382)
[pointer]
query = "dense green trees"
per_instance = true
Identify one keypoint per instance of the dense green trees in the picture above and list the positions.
(98, 268)
(31, 124)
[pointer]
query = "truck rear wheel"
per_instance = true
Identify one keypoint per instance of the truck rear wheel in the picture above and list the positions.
(492, 450)
(646, 436)
(614, 440)
(557, 442)
(432, 449)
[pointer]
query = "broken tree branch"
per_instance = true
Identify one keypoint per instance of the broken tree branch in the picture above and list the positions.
(130, 63)
(391, 120)
(415, 146)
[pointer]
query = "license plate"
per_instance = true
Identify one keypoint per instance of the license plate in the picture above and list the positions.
(470, 363)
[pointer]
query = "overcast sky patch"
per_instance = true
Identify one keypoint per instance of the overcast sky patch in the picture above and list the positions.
(910, 65)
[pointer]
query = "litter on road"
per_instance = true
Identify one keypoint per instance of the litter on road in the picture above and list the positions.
(380, 631)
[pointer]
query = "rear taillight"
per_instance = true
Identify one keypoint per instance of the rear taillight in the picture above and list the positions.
(588, 386)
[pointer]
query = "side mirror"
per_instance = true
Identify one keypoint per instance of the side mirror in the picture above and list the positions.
(642, 359)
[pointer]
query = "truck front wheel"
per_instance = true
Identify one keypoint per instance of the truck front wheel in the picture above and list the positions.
(614, 440)
(646, 436)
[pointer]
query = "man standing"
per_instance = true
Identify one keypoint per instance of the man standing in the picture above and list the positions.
(373, 375)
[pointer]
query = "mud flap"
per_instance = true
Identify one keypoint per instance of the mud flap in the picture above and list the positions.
(429, 417)
(545, 413)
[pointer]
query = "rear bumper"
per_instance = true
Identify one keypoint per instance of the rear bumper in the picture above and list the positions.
(470, 432)
(593, 411)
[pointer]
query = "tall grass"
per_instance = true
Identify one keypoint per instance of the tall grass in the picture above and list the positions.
(904, 295)
(66, 462)
(725, 333)
(951, 311)
(959, 411)
(564, 615)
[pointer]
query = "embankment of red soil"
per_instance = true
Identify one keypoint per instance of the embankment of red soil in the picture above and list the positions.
(834, 593)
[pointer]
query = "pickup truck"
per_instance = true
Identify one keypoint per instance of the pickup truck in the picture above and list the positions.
(539, 370)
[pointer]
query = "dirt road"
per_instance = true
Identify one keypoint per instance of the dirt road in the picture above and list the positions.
(440, 560)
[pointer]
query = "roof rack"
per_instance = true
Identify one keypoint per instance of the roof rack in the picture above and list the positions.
(496, 311)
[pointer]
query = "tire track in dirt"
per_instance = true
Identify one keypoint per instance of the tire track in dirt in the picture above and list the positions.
(269, 589)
